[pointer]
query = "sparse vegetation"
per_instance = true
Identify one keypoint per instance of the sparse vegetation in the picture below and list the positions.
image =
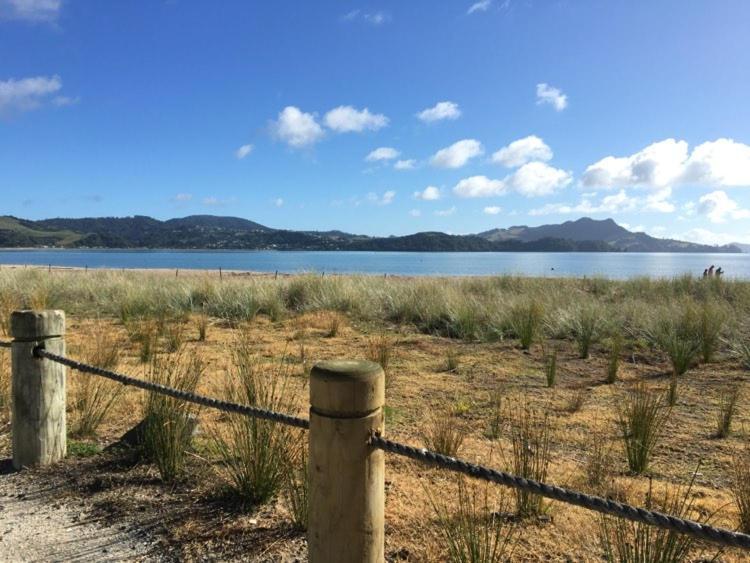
(444, 435)
(452, 360)
(525, 320)
(380, 350)
(550, 367)
(474, 530)
(727, 409)
(740, 486)
(613, 362)
(530, 435)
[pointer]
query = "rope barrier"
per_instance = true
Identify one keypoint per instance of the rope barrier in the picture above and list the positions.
(210, 402)
(605, 506)
(4, 344)
(698, 530)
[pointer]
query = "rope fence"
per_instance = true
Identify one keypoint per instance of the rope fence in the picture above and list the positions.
(657, 519)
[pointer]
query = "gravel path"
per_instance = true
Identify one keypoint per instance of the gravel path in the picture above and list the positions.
(36, 524)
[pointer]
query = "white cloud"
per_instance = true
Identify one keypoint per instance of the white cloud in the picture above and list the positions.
(546, 94)
(479, 186)
(611, 204)
(65, 101)
(719, 163)
(415, 213)
(430, 193)
(538, 179)
(522, 151)
(719, 207)
(30, 10)
(278, 202)
(492, 210)
(386, 199)
(446, 212)
(182, 198)
(382, 153)
(458, 154)
(243, 151)
(346, 119)
(408, 164)
(481, 6)
(659, 201)
(296, 128)
(373, 18)
(216, 202)
(706, 236)
(27, 93)
(440, 111)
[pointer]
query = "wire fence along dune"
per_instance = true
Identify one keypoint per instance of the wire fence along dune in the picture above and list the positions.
(376, 440)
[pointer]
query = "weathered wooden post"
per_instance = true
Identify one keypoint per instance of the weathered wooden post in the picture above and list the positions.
(347, 486)
(38, 388)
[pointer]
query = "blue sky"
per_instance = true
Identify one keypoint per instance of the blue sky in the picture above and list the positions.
(380, 117)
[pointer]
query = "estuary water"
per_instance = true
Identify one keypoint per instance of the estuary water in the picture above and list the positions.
(570, 264)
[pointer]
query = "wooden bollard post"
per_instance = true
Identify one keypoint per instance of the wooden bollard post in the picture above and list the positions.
(347, 486)
(38, 388)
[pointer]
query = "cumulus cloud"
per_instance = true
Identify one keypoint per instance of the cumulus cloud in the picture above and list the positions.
(458, 154)
(479, 186)
(440, 111)
(30, 10)
(719, 163)
(546, 94)
(346, 119)
(296, 128)
(182, 198)
(386, 199)
(481, 6)
(612, 204)
(243, 151)
(27, 94)
(522, 151)
(538, 179)
(706, 236)
(719, 207)
(430, 193)
(407, 164)
(446, 212)
(216, 202)
(382, 153)
(492, 210)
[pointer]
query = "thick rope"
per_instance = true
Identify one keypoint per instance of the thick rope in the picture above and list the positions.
(210, 402)
(606, 506)
(4, 344)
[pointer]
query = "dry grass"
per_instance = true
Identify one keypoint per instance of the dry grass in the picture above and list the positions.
(469, 317)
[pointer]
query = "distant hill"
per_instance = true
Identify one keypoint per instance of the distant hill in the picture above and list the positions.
(606, 230)
(212, 232)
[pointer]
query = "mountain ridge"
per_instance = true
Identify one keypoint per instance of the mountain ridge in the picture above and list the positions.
(211, 232)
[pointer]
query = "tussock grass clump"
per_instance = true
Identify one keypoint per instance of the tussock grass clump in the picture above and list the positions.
(713, 318)
(145, 333)
(496, 420)
(576, 400)
(201, 324)
(613, 360)
(598, 468)
(641, 421)
(586, 325)
(444, 435)
(333, 325)
(168, 421)
(380, 351)
(255, 453)
(92, 396)
(740, 486)
(677, 333)
(531, 437)
(173, 332)
(740, 347)
(624, 541)
(525, 321)
(727, 410)
(452, 360)
(296, 488)
(550, 367)
(473, 530)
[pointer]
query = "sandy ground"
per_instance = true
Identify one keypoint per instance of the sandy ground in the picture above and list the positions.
(36, 524)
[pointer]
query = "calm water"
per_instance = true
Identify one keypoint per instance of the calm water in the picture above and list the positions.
(612, 265)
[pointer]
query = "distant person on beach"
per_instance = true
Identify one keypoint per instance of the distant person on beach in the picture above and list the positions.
(705, 273)
(719, 272)
(711, 271)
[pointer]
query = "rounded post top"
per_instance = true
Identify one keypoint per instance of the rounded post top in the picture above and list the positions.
(346, 388)
(36, 325)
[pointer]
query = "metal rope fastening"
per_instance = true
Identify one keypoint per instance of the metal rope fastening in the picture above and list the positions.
(210, 402)
(605, 506)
